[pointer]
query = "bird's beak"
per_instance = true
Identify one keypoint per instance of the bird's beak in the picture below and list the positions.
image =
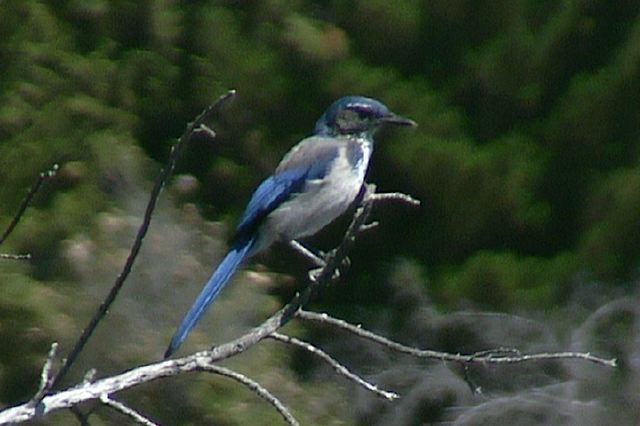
(398, 120)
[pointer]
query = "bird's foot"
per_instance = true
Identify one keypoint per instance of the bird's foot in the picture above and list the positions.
(314, 274)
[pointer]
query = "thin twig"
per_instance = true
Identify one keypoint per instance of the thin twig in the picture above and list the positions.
(129, 412)
(46, 376)
(142, 231)
(6, 256)
(22, 208)
(206, 130)
(483, 357)
(89, 376)
(27, 200)
(255, 387)
(473, 387)
(369, 226)
(339, 368)
(395, 196)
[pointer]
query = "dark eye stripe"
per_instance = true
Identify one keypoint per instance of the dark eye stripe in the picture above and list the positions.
(362, 109)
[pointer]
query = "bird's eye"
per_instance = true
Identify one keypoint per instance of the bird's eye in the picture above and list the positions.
(347, 116)
(348, 120)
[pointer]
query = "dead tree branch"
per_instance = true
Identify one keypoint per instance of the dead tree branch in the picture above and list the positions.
(203, 361)
(42, 178)
(123, 409)
(492, 356)
(337, 367)
(46, 376)
(164, 175)
(206, 360)
(256, 388)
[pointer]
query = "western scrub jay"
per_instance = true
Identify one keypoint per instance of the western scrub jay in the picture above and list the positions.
(316, 181)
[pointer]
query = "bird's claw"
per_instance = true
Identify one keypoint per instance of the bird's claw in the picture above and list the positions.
(314, 274)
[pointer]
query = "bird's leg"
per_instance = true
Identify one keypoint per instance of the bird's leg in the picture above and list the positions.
(318, 259)
(344, 266)
(315, 256)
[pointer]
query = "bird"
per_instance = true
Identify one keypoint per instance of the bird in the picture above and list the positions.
(315, 183)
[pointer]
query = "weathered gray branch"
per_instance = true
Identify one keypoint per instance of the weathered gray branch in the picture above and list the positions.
(42, 178)
(198, 125)
(205, 361)
(127, 411)
(337, 367)
(492, 356)
(201, 360)
(256, 388)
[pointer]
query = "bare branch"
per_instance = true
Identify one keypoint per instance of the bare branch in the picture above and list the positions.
(206, 130)
(395, 196)
(6, 256)
(204, 361)
(91, 391)
(90, 376)
(22, 208)
(142, 231)
(496, 356)
(369, 226)
(255, 387)
(339, 368)
(46, 376)
(201, 361)
(129, 412)
(27, 200)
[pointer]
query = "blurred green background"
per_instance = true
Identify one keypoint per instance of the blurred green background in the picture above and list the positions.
(525, 160)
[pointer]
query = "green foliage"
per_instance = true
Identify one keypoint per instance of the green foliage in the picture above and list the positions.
(612, 223)
(525, 158)
(24, 307)
(503, 281)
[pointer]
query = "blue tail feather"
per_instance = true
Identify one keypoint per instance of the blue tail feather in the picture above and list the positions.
(216, 283)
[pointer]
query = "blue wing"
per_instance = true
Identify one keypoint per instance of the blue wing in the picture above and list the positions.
(309, 160)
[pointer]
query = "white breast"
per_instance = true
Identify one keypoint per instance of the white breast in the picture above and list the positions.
(323, 200)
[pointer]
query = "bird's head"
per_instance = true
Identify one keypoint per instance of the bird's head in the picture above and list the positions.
(357, 115)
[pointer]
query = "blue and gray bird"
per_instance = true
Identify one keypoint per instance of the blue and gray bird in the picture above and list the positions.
(315, 183)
